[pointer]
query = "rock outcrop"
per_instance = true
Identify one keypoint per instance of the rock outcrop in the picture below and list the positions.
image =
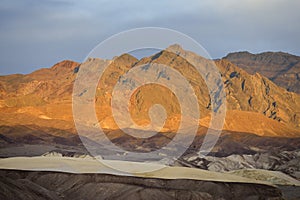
(282, 68)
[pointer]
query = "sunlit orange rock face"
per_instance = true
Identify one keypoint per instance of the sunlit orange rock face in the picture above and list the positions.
(254, 103)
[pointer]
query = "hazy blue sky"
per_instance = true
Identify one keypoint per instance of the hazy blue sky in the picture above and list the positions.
(39, 33)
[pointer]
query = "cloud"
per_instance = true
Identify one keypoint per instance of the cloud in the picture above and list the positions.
(39, 33)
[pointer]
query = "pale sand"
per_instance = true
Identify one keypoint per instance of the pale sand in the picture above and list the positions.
(89, 165)
(274, 177)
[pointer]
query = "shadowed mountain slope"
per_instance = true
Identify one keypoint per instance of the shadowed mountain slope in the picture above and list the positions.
(282, 68)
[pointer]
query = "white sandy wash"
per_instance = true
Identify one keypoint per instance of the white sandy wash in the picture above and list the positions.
(91, 165)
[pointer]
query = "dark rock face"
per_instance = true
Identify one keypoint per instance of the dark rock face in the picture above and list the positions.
(282, 68)
(290, 192)
(55, 185)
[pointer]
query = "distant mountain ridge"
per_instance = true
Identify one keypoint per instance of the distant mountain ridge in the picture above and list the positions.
(282, 68)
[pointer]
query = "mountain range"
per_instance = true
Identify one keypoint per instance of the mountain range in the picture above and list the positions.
(36, 108)
(261, 130)
(254, 103)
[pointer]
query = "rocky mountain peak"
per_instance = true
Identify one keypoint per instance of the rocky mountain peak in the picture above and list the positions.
(175, 48)
(65, 64)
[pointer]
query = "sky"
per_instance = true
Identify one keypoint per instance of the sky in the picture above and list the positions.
(40, 33)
